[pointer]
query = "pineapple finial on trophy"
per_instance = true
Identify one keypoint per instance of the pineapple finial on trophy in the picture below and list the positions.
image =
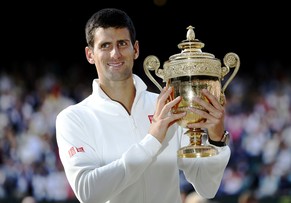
(190, 33)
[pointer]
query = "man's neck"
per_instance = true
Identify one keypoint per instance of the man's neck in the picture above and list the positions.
(123, 93)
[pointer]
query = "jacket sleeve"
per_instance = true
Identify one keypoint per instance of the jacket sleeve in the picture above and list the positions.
(205, 174)
(91, 179)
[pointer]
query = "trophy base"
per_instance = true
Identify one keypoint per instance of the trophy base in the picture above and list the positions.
(195, 151)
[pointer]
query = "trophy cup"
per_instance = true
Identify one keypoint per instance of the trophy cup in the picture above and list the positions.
(188, 73)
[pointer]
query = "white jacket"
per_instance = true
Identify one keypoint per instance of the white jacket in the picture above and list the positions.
(108, 155)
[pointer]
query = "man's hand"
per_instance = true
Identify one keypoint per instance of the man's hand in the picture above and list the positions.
(163, 118)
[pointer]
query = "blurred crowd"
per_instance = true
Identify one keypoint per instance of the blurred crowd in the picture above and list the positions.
(258, 118)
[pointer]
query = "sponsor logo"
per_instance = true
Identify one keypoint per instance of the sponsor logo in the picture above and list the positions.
(150, 118)
(73, 150)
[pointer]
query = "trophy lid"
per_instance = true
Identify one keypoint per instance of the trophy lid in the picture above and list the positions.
(191, 60)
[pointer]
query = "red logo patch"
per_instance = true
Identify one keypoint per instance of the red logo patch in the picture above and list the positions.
(73, 150)
(151, 118)
(80, 149)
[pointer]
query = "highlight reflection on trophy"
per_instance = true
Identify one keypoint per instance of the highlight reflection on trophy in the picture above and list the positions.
(188, 73)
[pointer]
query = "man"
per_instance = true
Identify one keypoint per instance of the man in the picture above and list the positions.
(119, 145)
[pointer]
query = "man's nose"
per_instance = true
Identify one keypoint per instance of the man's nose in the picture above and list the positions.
(115, 53)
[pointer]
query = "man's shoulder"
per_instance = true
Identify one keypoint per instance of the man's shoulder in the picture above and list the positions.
(76, 108)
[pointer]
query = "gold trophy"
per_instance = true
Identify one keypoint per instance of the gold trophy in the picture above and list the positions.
(188, 73)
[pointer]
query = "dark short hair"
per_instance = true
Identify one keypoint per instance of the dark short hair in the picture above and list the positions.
(106, 18)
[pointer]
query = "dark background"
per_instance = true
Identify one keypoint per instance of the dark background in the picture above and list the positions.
(54, 31)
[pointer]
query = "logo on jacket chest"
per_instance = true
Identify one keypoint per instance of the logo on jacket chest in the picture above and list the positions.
(150, 118)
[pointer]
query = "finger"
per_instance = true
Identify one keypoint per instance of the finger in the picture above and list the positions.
(206, 105)
(162, 98)
(169, 106)
(212, 106)
(203, 113)
(212, 99)
(175, 117)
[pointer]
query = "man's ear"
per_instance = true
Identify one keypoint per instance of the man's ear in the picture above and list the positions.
(136, 49)
(89, 55)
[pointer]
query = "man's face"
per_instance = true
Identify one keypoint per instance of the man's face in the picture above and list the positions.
(113, 54)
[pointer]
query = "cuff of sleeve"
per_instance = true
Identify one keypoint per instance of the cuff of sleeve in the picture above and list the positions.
(151, 144)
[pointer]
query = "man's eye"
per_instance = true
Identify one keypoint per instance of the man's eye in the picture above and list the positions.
(122, 43)
(104, 46)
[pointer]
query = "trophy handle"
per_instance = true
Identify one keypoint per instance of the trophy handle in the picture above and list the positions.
(152, 63)
(230, 60)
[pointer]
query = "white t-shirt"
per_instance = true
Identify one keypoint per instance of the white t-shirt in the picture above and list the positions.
(108, 155)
